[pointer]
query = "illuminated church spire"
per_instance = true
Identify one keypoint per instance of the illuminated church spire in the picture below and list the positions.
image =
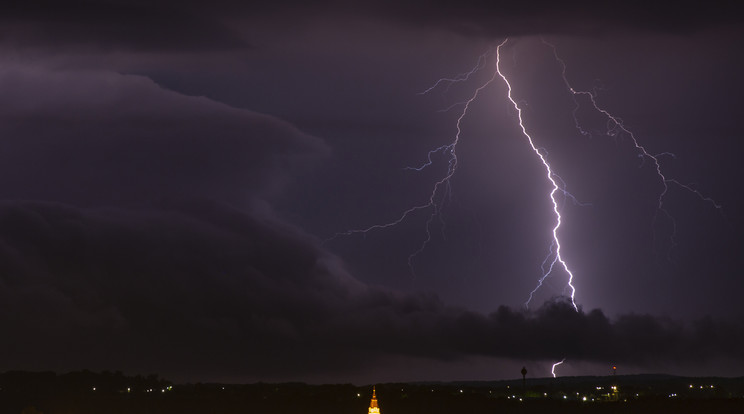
(373, 408)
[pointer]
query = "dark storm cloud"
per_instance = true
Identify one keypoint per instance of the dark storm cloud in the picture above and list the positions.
(628, 338)
(192, 285)
(504, 18)
(204, 26)
(514, 18)
(110, 285)
(106, 25)
(203, 288)
(422, 326)
(101, 137)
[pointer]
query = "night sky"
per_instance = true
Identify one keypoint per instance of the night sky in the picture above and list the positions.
(175, 181)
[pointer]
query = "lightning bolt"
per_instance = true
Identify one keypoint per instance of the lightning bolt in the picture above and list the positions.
(552, 370)
(558, 194)
(442, 188)
(558, 187)
(462, 77)
(615, 125)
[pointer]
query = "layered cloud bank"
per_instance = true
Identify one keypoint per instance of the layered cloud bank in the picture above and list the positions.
(98, 137)
(204, 288)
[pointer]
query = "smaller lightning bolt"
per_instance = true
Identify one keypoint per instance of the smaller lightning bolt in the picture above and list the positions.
(552, 370)
(441, 189)
(482, 61)
(615, 125)
(558, 187)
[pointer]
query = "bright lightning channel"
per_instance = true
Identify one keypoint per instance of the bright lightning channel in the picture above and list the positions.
(442, 187)
(558, 186)
(552, 370)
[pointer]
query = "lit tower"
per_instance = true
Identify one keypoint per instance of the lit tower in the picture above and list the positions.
(373, 408)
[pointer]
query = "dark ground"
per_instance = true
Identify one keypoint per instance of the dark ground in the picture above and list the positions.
(87, 392)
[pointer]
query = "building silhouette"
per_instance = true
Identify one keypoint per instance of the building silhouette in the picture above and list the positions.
(373, 408)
